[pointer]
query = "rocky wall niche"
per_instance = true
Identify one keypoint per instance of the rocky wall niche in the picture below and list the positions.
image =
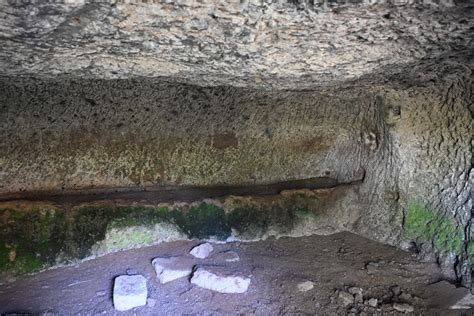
(136, 133)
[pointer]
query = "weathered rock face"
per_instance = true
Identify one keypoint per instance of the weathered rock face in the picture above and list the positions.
(280, 44)
(404, 152)
(377, 99)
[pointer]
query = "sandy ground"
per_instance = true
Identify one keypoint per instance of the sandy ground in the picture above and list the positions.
(334, 263)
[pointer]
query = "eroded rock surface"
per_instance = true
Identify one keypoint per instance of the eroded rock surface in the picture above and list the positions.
(282, 44)
(123, 97)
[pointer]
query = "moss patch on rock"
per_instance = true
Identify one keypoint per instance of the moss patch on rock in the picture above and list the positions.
(470, 251)
(428, 226)
(41, 237)
(30, 240)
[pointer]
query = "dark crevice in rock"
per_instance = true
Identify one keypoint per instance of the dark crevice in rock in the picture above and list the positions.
(172, 193)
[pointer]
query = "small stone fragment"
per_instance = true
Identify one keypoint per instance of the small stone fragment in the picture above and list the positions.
(219, 280)
(305, 286)
(172, 268)
(373, 302)
(100, 293)
(202, 251)
(131, 271)
(357, 293)
(404, 308)
(130, 291)
(346, 299)
(355, 290)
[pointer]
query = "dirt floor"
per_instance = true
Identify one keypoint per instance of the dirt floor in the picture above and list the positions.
(333, 263)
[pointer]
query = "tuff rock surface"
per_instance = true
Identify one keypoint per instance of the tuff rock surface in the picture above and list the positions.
(376, 97)
(271, 43)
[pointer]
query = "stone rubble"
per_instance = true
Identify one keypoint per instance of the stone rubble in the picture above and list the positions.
(357, 294)
(202, 251)
(345, 298)
(172, 268)
(220, 280)
(130, 291)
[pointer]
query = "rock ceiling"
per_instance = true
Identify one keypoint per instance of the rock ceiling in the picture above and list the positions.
(276, 44)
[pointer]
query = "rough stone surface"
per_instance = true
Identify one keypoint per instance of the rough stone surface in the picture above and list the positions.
(282, 44)
(202, 251)
(202, 93)
(411, 137)
(172, 268)
(220, 279)
(130, 291)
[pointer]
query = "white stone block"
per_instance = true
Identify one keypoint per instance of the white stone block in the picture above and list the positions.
(172, 268)
(202, 251)
(130, 291)
(220, 281)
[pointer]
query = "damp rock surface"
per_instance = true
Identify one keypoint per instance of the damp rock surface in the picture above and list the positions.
(129, 291)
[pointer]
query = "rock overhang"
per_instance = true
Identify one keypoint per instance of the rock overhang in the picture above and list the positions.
(262, 44)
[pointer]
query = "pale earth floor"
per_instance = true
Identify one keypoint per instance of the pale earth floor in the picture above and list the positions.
(276, 267)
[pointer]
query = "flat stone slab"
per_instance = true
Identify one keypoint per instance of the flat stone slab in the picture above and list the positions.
(172, 268)
(202, 251)
(130, 291)
(219, 279)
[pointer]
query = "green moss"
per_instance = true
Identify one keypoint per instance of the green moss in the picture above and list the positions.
(28, 264)
(30, 240)
(4, 257)
(203, 221)
(125, 239)
(421, 223)
(248, 219)
(256, 221)
(303, 211)
(138, 216)
(470, 251)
